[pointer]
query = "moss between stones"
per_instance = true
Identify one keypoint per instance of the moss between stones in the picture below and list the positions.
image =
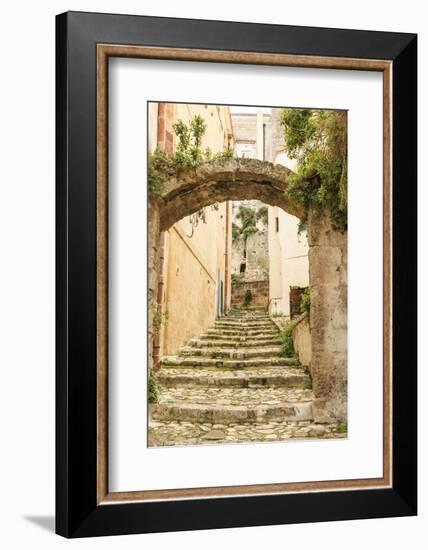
(342, 428)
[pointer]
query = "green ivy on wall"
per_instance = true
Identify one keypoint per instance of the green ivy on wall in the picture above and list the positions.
(317, 139)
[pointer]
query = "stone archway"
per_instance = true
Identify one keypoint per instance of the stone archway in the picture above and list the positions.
(239, 179)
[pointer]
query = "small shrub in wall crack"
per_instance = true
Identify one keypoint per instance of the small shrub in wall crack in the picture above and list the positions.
(305, 304)
(236, 279)
(248, 297)
(153, 389)
(308, 384)
(287, 344)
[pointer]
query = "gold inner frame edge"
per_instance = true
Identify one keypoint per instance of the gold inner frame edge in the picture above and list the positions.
(104, 52)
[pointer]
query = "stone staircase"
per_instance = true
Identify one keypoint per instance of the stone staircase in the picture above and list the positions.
(230, 377)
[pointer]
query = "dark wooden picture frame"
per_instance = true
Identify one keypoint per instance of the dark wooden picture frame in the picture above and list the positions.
(84, 43)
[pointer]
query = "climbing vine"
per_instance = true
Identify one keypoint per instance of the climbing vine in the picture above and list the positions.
(160, 167)
(317, 139)
(157, 319)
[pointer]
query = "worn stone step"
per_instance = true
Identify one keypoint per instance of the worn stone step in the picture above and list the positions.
(238, 319)
(244, 325)
(241, 334)
(235, 396)
(234, 331)
(229, 405)
(176, 361)
(254, 313)
(214, 341)
(230, 353)
(175, 433)
(247, 310)
(232, 413)
(290, 377)
(244, 329)
(257, 317)
(239, 337)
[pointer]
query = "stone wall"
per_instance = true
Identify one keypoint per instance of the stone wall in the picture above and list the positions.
(302, 341)
(259, 290)
(257, 265)
(248, 135)
(238, 255)
(328, 266)
(153, 271)
(254, 254)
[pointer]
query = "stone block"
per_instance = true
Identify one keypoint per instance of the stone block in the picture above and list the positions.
(325, 264)
(321, 232)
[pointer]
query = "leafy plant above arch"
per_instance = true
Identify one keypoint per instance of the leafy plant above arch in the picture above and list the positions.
(317, 140)
(188, 154)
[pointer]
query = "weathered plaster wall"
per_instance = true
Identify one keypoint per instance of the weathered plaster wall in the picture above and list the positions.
(196, 256)
(238, 256)
(191, 273)
(186, 270)
(254, 253)
(288, 255)
(257, 257)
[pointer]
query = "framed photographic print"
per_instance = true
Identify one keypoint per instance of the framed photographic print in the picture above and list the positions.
(236, 274)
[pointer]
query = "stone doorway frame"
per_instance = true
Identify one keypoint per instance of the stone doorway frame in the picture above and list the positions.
(225, 179)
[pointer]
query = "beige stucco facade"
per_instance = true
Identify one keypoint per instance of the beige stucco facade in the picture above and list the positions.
(288, 255)
(195, 270)
(194, 285)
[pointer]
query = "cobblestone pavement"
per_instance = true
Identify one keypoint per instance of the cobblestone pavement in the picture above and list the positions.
(232, 385)
(188, 433)
(215, 376)
(234, 396)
